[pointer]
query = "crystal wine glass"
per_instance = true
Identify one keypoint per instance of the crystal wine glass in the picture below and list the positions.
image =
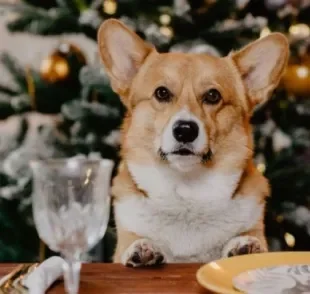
(71, 205)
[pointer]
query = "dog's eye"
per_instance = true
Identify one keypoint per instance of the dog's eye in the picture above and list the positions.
(212, 96)
(162, 94)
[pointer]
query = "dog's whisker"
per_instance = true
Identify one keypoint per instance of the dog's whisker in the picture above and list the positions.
(162, 154)
(207, 157)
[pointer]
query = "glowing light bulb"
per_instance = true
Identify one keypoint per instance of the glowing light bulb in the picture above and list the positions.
(166, 31)
(302, 72)
(265, 32)
(280, 218)
(300, 30)
(165, 19)
(261, 167)
(109, 6)
(88, 174)
(289, 239)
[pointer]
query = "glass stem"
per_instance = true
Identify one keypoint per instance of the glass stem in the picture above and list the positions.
(71, 269)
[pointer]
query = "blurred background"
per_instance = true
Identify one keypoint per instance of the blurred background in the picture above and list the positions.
(56, 101)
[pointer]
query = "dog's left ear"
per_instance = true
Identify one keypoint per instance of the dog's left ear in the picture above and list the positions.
(261, 65)
(122, 52)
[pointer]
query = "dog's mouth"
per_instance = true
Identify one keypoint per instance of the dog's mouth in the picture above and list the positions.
(183, 152)
(186, 152)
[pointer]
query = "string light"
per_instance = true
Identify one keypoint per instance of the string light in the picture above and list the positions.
(302, 72)
(300, 31)
(265, 32)
(166, 31)
(289, 239)
(279, 218)
(165, 19)
(261, 167)
(88, 174)
(109, 6)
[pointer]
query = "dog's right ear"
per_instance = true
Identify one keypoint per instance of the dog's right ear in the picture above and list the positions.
(122, 52)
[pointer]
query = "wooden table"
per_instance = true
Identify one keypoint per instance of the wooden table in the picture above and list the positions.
(116, 279)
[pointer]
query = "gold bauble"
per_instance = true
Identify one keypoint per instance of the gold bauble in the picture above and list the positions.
(54, 69)
(306, 55)
(63, 64)
(296, 79)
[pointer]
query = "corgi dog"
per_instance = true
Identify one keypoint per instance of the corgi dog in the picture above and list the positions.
(187, 189)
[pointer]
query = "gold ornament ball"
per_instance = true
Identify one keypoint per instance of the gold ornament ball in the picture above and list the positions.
(54, 69)
(306, 55)
(63, 64)
(296, 79)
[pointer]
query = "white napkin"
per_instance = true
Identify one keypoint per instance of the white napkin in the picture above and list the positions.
(44, 275)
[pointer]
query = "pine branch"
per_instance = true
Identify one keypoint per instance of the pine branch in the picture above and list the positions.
(287, 172)
(95, 83)
(22, 9)
(4, 100)
(17, 71)
(80, 4)
(13, 245)
(6, 109)
(41, 21)
(12, 104)
(22, 130)
(233, 31)
(73, 5)
(7, 91)
(46, 4)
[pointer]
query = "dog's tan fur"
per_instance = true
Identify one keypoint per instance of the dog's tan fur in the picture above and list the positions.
(242, 82)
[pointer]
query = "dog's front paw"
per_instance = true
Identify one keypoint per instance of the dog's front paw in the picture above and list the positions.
(142, 252)
(243, 245)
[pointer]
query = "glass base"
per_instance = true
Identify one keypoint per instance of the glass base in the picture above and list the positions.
(72, 271)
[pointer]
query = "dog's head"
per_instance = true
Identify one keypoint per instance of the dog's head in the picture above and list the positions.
(189, 110)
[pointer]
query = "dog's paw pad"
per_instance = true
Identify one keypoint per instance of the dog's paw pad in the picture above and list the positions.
(243, 245)
(142, 253)
(246, 249)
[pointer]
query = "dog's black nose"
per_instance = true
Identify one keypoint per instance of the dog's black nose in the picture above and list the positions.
(185, 131)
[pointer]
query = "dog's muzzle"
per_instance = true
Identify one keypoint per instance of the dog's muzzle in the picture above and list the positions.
(184, 140)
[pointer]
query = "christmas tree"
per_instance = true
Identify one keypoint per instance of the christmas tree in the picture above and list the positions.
(84, 114)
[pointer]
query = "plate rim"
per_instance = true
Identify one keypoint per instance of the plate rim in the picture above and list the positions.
(220, 289)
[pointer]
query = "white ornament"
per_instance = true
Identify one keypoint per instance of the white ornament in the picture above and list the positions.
(275, 4)
(280, 140)
(90, 17)
(249, 22)
(197, 47)
(113, 139)
(241, 3)
(268, 127)
(181, 7)
(302, 216)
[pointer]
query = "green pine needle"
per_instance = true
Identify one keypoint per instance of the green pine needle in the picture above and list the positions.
(81, 5)
(15, 69)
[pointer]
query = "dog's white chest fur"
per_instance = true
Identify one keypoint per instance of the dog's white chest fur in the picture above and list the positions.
(190, 218)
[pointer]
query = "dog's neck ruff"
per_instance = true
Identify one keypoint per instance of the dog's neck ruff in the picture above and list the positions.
(159, 180)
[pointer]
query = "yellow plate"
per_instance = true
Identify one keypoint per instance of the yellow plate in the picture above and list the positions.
(217, 276)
